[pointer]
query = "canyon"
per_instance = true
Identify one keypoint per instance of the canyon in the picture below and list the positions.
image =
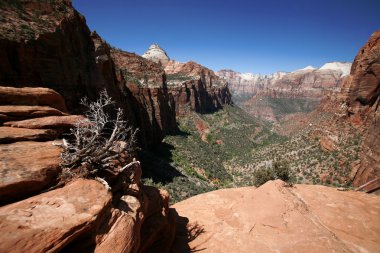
(192, 138)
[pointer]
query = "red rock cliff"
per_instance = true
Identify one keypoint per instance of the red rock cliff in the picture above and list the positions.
(151, 103)
(362, 96)
(50, 45)
(196, 87)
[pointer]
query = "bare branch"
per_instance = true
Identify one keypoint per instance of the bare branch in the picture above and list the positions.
(95, 146)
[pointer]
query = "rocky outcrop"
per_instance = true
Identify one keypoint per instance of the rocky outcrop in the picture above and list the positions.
(361, 94)
(148, 95)
(29, 161)
(196, 87)
(156, 54)
(81, 216)
(279, 218)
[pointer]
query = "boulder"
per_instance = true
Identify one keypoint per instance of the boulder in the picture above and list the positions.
(49, 221)
(13, 134)
(47, 122)
(123, 228)
(279, 218)
(327, 144)
(32, 96)
(26, 168)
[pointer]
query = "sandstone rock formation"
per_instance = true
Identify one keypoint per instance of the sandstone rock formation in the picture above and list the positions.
(156, 54)
(81, 216)
(56, 218)
(361, 93)
(196, 87)
(279, 218)
(148, 94)
(29, 161)
(27, 168)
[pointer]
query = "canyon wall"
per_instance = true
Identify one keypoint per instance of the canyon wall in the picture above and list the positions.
(50, 45)
(151, 102)
(361, 95)
(195, 87)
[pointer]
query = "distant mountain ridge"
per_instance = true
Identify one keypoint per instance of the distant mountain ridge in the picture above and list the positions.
(301, 90)
(326, 76)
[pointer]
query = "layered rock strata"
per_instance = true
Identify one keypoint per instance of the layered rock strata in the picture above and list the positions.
(361, 97)
(195, 87)
(148, 95)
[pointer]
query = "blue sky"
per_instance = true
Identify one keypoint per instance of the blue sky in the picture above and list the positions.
(243, 35)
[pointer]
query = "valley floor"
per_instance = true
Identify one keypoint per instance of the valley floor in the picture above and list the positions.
(224, 149)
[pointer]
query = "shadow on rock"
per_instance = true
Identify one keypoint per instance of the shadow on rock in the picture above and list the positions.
(185, 233)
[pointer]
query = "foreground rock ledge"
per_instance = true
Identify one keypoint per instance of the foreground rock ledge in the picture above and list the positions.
(26, 168)
(49, 221)
(275, 218)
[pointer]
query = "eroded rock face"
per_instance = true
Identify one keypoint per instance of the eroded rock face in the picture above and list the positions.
(361, 93)
(276, 218)
(196, 87)
(148, 95)
(56, 53)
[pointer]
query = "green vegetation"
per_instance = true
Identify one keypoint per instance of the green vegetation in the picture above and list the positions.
(195, 160)
(280, 170)
(283, 106)
(263, 175)
(229, 148)
(27, 31)
(177, 77)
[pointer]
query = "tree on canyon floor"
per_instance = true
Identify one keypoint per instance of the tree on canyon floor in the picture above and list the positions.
(279, 170)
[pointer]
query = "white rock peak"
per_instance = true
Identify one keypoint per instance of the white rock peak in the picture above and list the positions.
(345, 67)
(157, 54)
(308, 68)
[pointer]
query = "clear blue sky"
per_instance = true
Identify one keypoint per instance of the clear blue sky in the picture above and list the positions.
(245, 35)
